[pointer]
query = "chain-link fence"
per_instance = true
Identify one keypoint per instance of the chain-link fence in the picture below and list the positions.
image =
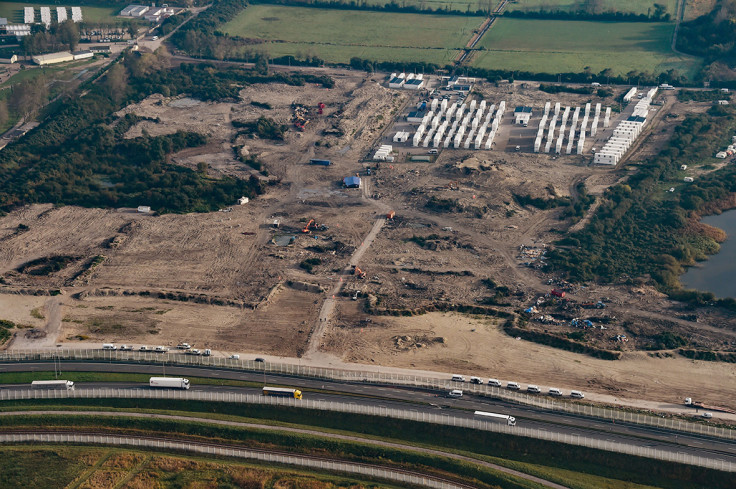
(440, 419)
(368, 470)
(357, 376)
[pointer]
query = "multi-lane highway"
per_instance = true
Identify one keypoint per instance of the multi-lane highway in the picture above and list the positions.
(421, 401)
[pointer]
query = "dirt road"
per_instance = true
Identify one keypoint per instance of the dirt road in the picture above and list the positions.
(325, 313)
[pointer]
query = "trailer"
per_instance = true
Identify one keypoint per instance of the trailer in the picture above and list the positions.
(56, 385)
(169, 383)
(282, 392)
(315, 161)
(510, 420)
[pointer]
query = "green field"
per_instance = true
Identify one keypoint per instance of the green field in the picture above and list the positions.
(106, 12)
(625, 6)
(551, 46)
(338, 35)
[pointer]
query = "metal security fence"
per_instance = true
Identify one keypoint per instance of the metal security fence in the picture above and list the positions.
(371, 471)
(356, 376)
(439, 419)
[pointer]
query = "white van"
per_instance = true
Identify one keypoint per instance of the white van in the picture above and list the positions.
(533, 389)
(514, 386)
(432, 151)
(577, 395)
(554, 391)
(234, 357)
(707, 415)
(108, 346)
(476, 380)
(455, 393)
(494, 382)
(458, 378)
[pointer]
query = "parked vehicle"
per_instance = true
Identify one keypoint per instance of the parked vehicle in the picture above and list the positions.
(143, 348)
(554, 391)
(533, 389)
(510, 420)
(161, 349)
(169, 382)
(57, 385)
(577, 395)
(260, 360)
(476, 380)
(207, 353)
(282, 392)
(514, 386)
(456, 393)
(494, 382)
(183, 346)
(458, 378)
(707, 415)
(194, 351)
(108, 346)
(125, 348)
(234, 357)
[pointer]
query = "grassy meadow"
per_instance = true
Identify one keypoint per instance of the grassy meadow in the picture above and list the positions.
(625, 6)
(338, 35)
(552, 46)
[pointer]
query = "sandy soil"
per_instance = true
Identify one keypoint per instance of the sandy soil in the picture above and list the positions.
(464, 345)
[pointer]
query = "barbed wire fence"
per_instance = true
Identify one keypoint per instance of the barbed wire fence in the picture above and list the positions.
(357, 376)
(411, 415)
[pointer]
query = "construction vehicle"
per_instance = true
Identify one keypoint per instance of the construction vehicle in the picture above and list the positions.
(701, 405)
(310, 225)
(390, 215)
(300, 117)
(358, 272)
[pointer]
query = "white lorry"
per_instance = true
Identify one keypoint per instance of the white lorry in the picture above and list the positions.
(169, 383)
(64, 385)
(510, 420)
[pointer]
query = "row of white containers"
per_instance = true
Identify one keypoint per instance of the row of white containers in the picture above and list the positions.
(436, 125)
(29, 15)
(558, 143)
(625, 133)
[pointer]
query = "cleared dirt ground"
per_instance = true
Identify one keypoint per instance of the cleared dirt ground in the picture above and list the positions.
(234, 282)
(478, 346)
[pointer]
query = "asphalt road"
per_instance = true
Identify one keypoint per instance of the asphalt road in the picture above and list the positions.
(416, 400)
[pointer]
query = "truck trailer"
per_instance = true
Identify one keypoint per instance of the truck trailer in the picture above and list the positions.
(282, 392)
(63, 385)
(169, 383)
(510, 420)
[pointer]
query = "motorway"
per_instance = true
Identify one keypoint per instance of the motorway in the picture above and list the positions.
(421, 401)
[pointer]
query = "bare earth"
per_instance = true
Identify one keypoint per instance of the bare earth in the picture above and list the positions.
(233, 282)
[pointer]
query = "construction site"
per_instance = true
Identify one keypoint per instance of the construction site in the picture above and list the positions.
(367, 247)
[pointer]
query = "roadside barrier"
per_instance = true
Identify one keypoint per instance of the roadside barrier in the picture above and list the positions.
(439, 419)
(178, 358)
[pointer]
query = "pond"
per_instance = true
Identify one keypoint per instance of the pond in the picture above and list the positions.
(717, 273)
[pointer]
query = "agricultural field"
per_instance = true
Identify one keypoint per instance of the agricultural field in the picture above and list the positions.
(552, 46)
(338, 35)
(106, 11)
(625, 6)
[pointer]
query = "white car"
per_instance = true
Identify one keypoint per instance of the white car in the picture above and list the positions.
(234, 357)
(125, 348)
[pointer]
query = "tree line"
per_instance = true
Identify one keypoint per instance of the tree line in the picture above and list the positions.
(637, 232)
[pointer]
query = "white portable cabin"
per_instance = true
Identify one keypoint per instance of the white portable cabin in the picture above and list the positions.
(482, 105)
(451, 111)
(581, 142)
(437, 139)
(479, 139)
(434, 104)
(29, 15)
(537, 144)
(597, 109)
(557, 109)
(458, 139)
(546, 108)
(475, 123)
(60, 14)
(558, 146)
(602, 158)
(472, 105)
(594, 126)
(607, 118)
(489, 141)
(630, 95)
(443, 106)
(416, 139)
(77, 14)
(548, 145)
(460, 111)
(587, 110)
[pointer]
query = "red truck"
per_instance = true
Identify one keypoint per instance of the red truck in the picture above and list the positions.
(558, 293)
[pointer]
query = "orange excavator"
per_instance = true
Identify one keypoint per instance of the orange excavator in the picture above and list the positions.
(358, 272)
(310, 225)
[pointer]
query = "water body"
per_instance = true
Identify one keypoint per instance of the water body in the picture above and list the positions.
(717, 273)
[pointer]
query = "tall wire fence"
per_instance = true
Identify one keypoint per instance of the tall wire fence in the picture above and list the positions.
(438, 419)
(387, 378)
(372, 471)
